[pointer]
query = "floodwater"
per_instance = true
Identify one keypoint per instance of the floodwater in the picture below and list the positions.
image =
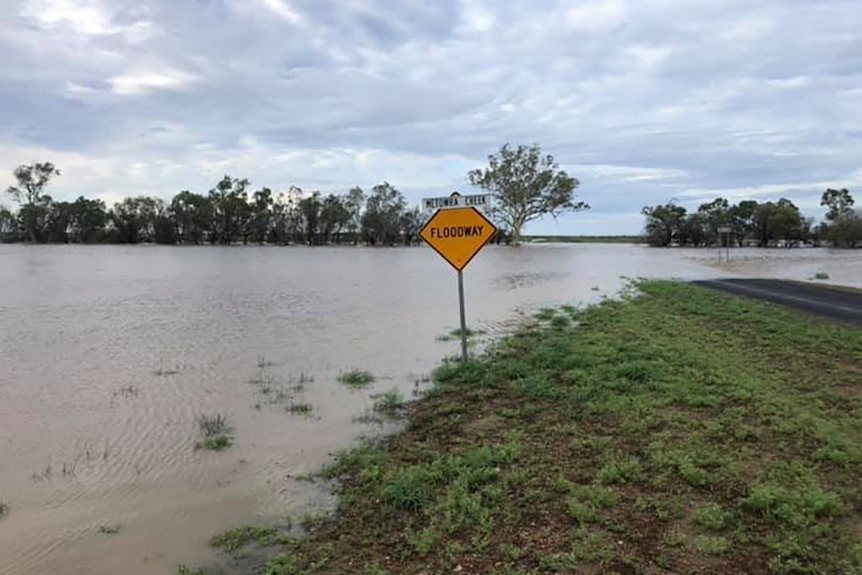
(108, 354)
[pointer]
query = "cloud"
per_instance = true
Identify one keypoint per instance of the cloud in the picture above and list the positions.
(595, 15)
(281, 9)
(642, 100)
(82, 17)
(142, 82)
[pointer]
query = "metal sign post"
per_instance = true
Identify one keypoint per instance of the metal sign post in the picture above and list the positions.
(463, 315)
(724, 232)
(457, 234)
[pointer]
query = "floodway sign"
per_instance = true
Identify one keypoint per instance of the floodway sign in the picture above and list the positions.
(456, 200)
(458, 234)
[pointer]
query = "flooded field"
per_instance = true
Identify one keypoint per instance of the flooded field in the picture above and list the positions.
(843, 267)
(108, 355)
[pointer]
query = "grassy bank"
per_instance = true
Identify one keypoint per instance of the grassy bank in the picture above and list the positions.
(682, 431)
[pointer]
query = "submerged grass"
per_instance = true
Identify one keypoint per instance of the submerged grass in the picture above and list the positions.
(299, 408)
(683, 430)
(455, 334)
(389, 403)
(356, 378)
(239, 537)
(215, 431)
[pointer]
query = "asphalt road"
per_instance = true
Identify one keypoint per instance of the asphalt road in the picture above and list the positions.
(843, 304)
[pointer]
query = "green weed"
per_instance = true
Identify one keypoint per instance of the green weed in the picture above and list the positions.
(588, 500)
(212, 425)
(299, 408)
(798, 506)
(455, 334)
(711, 517)
(109, 529)
(620, 469)
(238, 537)
(356, 378)
(590, 546)
(216, 443)
(662, 508)
(389, 403)
(545, 314)
(374, 568)
(369, 417)
(285, 564)
(711, 545)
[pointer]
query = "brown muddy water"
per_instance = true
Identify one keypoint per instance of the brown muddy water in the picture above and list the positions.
(108, 354)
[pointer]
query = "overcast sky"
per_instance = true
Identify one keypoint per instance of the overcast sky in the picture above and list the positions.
(643, 101)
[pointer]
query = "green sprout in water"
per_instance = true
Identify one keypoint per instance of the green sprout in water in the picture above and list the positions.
(389, 403)
(299, 408)
(215, 431)
(356, 378)
(109, 529)
(455, 334)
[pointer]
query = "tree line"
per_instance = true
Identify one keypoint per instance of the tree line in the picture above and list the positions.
(524, 184)
(762, 224)
(229, 213)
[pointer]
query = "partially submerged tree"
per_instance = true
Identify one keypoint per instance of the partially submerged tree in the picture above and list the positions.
(309, 209)
(742, 220)
(526, 185)
(844, 226)
(766, 224)
(716, 215)
(664, 223)
(355, 201)
(262, 216)
(839, 202)
(846, 230)
(192, 214)
(381, 222)
(334, 217)
(231, 211)
(8, 225)
(88, 219)
(32, 181)
(779, 221)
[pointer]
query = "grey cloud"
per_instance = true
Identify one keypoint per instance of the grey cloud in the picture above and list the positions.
(677, 96)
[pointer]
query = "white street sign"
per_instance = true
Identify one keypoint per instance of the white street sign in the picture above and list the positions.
(456, 200)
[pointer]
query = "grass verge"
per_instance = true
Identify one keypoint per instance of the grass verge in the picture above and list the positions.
(684, 430)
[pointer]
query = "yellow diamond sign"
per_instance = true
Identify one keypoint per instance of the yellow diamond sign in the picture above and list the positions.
(458, 234)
